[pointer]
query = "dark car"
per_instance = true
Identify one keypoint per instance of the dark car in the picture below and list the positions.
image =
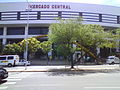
(3, 73)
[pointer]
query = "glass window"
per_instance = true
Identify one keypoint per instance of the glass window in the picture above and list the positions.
(15, 31)
(44, 30)
(10, 57)
(34, 31)
(111, 58)
(1, 31)
(38, 30)
(2, 58)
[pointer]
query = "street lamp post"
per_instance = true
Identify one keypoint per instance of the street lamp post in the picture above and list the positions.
(26, 37)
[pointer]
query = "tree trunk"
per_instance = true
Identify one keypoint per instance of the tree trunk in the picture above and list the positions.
(71, 59)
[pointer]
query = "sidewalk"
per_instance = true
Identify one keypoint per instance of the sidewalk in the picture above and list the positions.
(61, 68)
(50, 62)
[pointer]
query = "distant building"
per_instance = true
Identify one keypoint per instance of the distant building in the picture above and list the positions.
(14, 17)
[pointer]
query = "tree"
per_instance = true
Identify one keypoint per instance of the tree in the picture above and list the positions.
(12, 49)
(46, 46)
(33, 45)
(88, 36)
(63, 50)
(94, 36)
(63, 33)
(117, 33)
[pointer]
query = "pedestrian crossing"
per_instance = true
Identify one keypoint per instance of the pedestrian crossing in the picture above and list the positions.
(13, 78)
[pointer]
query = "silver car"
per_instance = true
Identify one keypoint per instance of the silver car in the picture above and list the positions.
(112, 60)
(24, 62)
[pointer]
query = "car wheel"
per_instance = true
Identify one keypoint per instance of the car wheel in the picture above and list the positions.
(10, 65)
(113, 63)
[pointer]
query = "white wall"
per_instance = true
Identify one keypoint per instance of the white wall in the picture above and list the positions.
(81, 7)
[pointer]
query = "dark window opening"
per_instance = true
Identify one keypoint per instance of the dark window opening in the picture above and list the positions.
(2, 58)
(15, 31)
(38, 30)
(10, 57)
(1, 31)
(11, 41)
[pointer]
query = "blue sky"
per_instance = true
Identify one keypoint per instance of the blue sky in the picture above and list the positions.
(103, 2)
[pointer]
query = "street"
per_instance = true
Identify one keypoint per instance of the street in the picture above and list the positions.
(62, 80)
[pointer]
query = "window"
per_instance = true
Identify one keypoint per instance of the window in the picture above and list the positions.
(37, 30)
(44, 30)
(10, 57)
(15, 31)
(111, 58)
(1, 31)
(34, 31)
(2, 58)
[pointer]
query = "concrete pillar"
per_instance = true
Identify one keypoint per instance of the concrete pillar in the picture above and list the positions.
(26, 31)
(98, 51)
(26, 36)
(4, 36)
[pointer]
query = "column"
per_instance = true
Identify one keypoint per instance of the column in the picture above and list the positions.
(4, 36)
(26, 36)
(26, 31)
(98, 51)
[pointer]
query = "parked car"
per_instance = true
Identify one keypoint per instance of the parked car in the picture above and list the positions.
(24, 62)
(3, 74)
(9, 60)
(112, 60)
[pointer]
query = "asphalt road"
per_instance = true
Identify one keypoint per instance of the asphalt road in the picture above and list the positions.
(62, 80)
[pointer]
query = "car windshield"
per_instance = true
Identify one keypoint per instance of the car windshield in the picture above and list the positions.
(111, 58)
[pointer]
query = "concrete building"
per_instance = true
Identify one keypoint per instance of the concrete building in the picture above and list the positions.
(15, 17)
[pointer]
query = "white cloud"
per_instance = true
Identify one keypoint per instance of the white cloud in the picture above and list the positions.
(118, 1)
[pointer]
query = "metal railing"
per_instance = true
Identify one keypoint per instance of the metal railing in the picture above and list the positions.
(53, 15)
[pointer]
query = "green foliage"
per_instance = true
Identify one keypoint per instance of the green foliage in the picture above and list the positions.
(64, 50)
(88, 35)
(33, 44)
(12, 49)
(46, 46)
(95, 36)
(63, 32)
(116, 36)
(118, 33)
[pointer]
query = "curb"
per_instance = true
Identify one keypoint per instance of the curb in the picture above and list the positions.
(66, 69)
(28, 71)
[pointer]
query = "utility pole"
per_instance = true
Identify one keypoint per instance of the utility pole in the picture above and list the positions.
(26, 37)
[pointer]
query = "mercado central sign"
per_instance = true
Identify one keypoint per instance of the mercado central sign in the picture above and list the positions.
(45, 6)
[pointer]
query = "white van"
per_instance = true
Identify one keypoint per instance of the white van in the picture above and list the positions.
(9, 60)
(112, 60)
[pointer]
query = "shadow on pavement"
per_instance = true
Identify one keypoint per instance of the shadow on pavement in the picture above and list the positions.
(72, 72)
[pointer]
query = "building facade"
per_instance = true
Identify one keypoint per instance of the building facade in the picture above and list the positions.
(20, 20)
